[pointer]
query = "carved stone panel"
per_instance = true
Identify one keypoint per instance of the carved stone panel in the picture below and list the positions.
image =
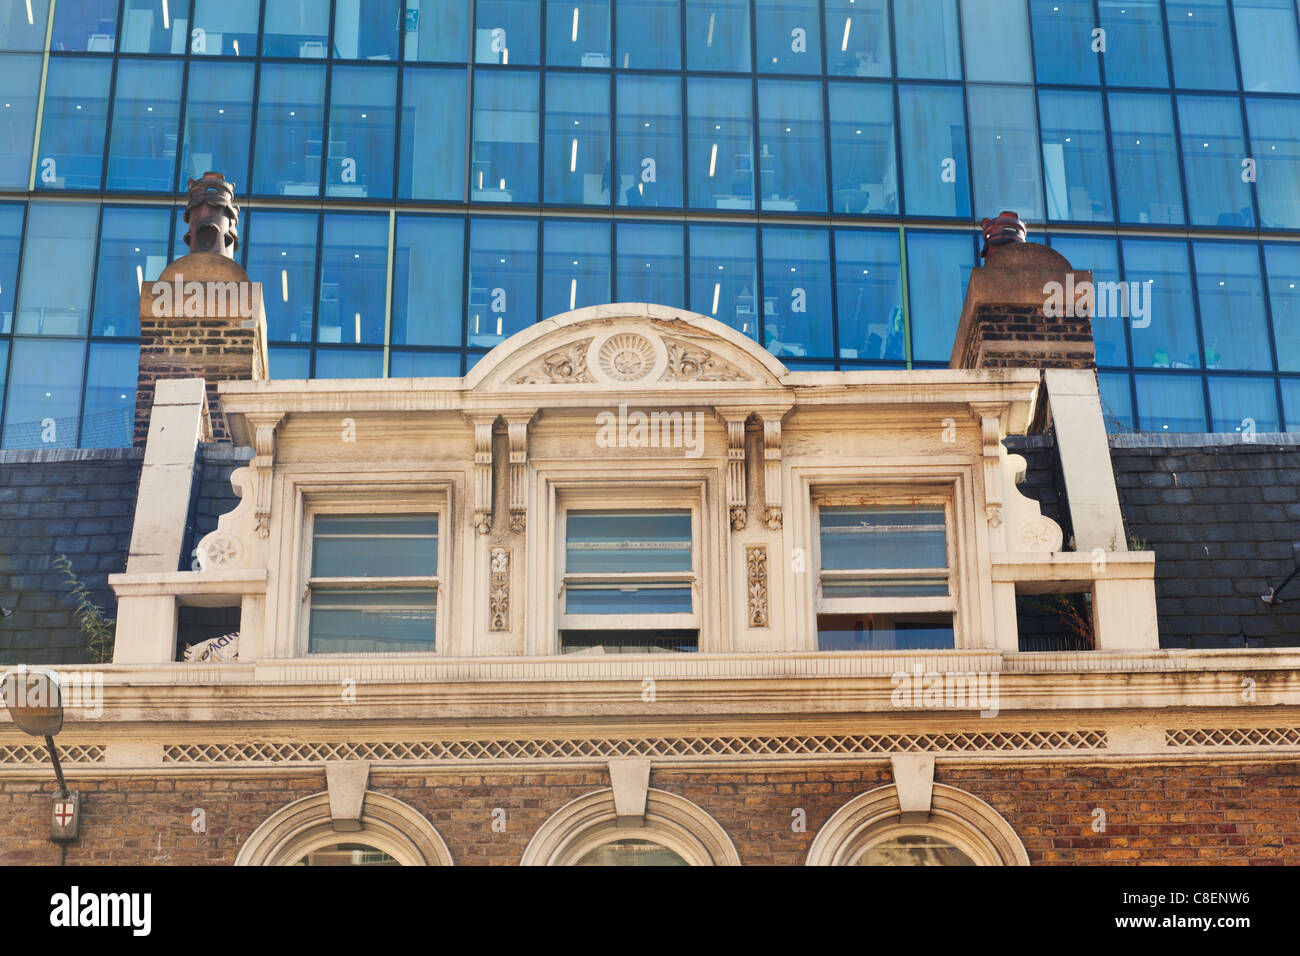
(756, 582)
(499, 590)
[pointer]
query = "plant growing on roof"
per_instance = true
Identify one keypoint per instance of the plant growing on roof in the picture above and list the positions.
(95, 625)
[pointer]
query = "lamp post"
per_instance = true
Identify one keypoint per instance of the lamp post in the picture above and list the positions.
(36, 706)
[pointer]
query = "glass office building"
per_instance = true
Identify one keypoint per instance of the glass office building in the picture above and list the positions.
(422, 178)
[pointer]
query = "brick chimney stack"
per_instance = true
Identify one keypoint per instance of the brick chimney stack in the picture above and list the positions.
(203, 318)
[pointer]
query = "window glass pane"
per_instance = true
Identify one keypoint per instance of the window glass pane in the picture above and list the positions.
(228, 28)
(349, 363)
(1266, 29)
(575, 267)
(1063, 41)
(20, 80)
(505, 159)
(792, 147)
(1282, 263)
(996, 37)
(625, 542)
(643, 599)
(290, 363)
(935, 176)
(1099, 256)
(1275, 140)
(1004, 148)
(22, 24)
(427, 267)
(1213, 149)
(132, 252)
(1135, 43)
(424, 365)
(1146, 158)
(1200, 41)
(914, 850)
(1242, 404)
(1165, 337)
(436, 30)
(651, 263)
(717, 35)
(109, 417)
(432, 155)
(797, 292)
(282, 254)
(1291, 403)
(502, 279)
(649, 34)
(347, 854)
(577, 32)
(724, 276)
(938, 271)
(631, 853)
(11, 236)
(218, 122)
(73, 123)
(4, 371)
(788, 36)
(290, 117)
(149, 26)
(363, 101)
(927, 39)
(869, 294)
(55, 288)
(44, 393)
(863, 166)
(508, 31)
(880, 537)
(857, 38)
(649, 141)
(372, 621)
(1170, 403)
(296, 29)
(1116, 401)
(354, 271)
(1075, 164)
(577, 139)
(366, 29)
(375, 545)
(1233, 324)
(721, 147)
(883, 632)
(142, 149)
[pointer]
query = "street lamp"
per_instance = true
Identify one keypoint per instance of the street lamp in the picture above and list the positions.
(36, 706)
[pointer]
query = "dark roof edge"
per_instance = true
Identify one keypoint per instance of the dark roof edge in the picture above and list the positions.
(213, 451)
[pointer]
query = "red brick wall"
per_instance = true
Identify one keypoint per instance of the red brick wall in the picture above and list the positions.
(1169, 813)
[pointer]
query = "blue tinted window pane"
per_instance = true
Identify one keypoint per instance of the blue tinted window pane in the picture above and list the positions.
(720, 143)
(1004, 146)
(717, 35)
(1242, 404)
(84, 26)
(508, 31)
(935, 177)
(927, 39)
(218, 122)
(1275, 140)
(1063, 41)
(651, 264)
(788, 36)
(20, 79)
(367, 29)
(290, 117)
(349, 363)
(797, 282)
(73, 123)
(938, 271)
(282, 256)
(353, 274)
(22, 25)
(292, 363)
(1233, 324)
(577, 33)
(1170, 403)
(869, 292)
(142, 148)
(44, 401)
(1266, 30)
(108, 418)
(427, 266)
(504, 165)
(1075, 165)
(432, 156)
(4, 371)
(1099, 256)
(1135, 43)
(1291, 403)
(1162, 330)
(649, 34)
(436, 30)
(575, 266)
(54, 294)
(502, 280)
(1282, 262)
(864, 171)
(1116, 401)
(1200, 41)
(1146, 158)
(857, 38)
(649, 141)
(792, 146)
(424, 365)
(148, 26)
(1213, 149)
(132, 252)
(11, 235)
(296, 29)
(229, 28)
(996, 38)
(363, 101)
(724, 276)
(577, 139)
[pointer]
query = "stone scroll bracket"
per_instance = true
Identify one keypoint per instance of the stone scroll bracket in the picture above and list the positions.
(483, 472)
(517, 431)
(263, 426)
(740, 465)
(772, 471)
(516, 488)
(1016, 523)
(737, 502)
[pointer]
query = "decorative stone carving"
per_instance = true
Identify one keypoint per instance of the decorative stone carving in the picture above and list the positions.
(772, 473)
(737, 503)
(756, 577)
(231, 545)
(564, 366)
(1036, 534)
(499, 590)
(263, 427)
(1016, 523)
(993, 512)
(518, 433)
(483, 475)
(626, 357)
(694, 363)
(223, 550)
